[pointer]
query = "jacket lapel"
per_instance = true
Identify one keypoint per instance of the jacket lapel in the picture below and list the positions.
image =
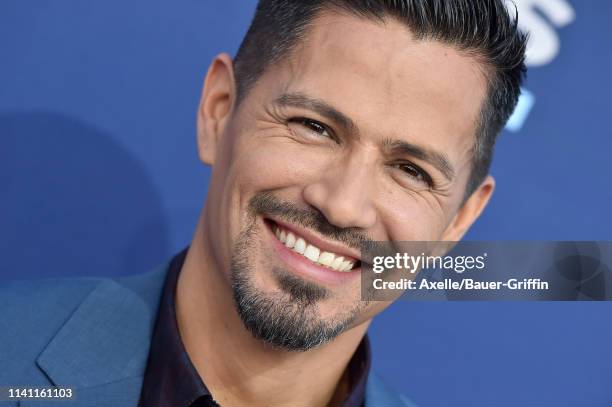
(101, 351)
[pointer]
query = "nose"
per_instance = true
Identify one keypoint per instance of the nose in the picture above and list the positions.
(343, 193)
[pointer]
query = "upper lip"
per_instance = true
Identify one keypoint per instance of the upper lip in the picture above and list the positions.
(322, 243)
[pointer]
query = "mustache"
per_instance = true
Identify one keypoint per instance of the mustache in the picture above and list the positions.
(265, 203)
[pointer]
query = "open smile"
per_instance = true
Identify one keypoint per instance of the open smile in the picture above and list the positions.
(311, 256)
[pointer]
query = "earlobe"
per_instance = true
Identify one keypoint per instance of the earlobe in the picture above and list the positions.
(470, 210)
(216, 105)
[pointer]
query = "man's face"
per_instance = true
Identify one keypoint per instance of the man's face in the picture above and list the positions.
(361, 133)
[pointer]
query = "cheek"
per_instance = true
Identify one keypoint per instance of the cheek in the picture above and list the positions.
(413, 219)
(274, 163)
(407, 216)
(258, 163)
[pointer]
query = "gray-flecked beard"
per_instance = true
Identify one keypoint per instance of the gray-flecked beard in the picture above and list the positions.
(287, 319)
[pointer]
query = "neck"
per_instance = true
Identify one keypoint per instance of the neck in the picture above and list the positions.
(239, 369)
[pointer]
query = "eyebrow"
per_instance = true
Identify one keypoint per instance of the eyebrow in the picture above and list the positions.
(437, 159)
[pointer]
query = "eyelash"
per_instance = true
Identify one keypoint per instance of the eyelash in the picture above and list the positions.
(313, 125)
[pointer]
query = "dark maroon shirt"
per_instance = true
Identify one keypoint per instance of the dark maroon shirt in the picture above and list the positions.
(170, 378)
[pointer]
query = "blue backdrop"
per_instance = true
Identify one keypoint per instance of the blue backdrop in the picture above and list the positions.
(99, 175)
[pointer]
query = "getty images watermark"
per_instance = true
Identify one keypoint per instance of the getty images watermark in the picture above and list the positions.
(458, 264)
(516, 271)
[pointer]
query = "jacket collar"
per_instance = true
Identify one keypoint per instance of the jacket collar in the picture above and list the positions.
(101, 351)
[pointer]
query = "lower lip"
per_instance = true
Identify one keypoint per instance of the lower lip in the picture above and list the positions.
(301, 266)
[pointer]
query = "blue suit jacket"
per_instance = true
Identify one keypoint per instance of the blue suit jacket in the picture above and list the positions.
(93, 335)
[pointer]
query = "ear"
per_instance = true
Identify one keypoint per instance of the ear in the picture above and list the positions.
(470, 211)
(218, 95)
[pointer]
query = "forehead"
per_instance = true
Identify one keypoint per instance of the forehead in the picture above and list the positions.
(390, 84)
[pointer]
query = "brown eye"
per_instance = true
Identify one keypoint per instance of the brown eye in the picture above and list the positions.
(412, 171)
(415, 173)
(313, 126)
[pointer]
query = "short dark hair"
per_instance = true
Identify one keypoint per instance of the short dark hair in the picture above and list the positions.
(482, 28)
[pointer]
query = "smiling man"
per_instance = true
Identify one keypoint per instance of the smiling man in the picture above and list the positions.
(339, 122)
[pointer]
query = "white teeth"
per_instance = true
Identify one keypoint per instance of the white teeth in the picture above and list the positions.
(290, 240)
(326, 258)
(337, 262)
(313, 253)
(300, 245)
